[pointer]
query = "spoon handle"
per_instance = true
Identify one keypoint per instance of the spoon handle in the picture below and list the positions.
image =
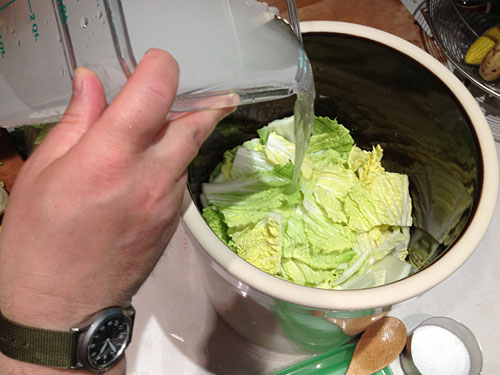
(378, 346)
(354, 369)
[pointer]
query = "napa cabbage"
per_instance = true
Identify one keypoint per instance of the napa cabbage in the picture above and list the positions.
(346, 226)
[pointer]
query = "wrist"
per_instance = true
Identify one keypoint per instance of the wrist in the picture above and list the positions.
(61, 307)
(99, 343)
(14, 367)
(47, 312)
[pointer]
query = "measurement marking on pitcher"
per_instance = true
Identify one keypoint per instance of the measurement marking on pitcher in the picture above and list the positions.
(62, 12)
(2, 47)
(34, 25)
(6, 5)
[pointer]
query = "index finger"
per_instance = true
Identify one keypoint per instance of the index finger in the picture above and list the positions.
(139, 111)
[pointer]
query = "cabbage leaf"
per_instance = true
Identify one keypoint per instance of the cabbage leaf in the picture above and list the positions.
(346, 226)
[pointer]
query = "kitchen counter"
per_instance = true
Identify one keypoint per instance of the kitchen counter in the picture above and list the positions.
(386, 15)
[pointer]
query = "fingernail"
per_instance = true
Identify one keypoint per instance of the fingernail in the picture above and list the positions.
(224, 112)
(77, 81)
(228, 104)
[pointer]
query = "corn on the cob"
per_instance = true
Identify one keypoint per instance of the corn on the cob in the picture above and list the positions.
(480, 48)
(493, 33)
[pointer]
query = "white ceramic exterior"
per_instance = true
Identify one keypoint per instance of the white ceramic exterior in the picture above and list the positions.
(294, 318)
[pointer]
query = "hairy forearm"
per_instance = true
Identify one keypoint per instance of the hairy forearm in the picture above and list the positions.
(10, 366)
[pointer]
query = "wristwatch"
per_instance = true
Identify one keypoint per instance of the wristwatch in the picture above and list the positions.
(95, 347)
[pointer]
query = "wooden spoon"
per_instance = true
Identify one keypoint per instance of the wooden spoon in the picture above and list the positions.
(379, 345)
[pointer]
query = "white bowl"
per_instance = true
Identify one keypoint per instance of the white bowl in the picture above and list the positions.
(290, 317)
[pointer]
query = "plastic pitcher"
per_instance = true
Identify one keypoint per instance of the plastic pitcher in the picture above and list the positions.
(222, 46)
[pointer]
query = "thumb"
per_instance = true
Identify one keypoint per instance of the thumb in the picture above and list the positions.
(87, 104)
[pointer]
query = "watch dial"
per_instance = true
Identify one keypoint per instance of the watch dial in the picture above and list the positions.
(108, 341)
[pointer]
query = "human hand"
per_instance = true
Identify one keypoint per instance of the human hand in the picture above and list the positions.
(94, 207)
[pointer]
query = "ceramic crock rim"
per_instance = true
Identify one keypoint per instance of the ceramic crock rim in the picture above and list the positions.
(394, 293)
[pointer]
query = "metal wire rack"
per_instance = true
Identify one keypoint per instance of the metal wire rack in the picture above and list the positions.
(455, 29)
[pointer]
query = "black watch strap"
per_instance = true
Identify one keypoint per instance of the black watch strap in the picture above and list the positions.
(38, 346)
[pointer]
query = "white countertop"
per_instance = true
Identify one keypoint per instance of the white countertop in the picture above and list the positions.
(178, 332)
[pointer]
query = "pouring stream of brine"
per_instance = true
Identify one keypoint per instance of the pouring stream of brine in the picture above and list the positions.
(230, 46)
(303, 118)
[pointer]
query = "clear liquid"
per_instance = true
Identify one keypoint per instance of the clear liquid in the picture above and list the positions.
(37, 58)
(303, 120)
(32, 89)
(221, 46)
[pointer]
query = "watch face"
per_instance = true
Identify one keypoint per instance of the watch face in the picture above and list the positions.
(108, 341)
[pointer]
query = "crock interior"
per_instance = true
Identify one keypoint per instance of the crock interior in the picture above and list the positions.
(384, 98)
